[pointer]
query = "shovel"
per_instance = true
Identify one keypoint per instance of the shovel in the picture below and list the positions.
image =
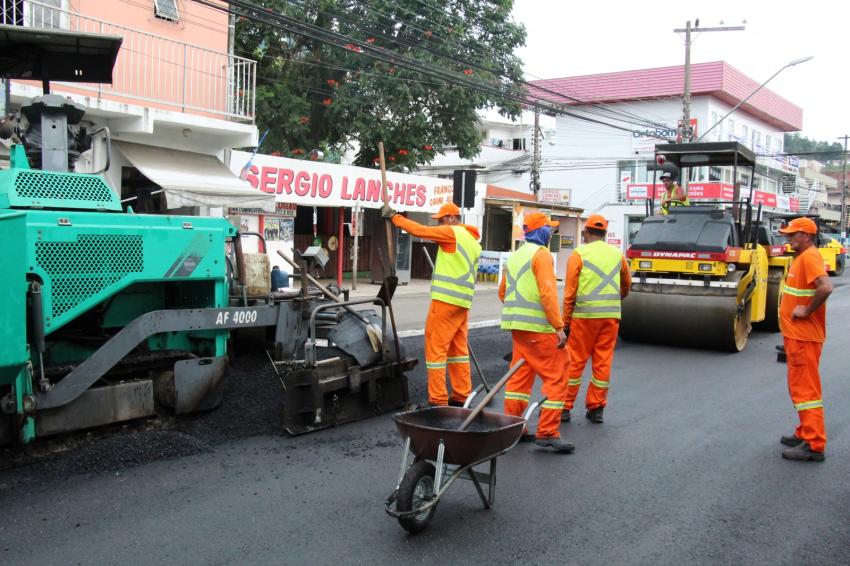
(390, 280)
(492, 393)
(372, 329)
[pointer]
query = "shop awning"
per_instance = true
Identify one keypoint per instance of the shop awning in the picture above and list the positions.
(193, 179)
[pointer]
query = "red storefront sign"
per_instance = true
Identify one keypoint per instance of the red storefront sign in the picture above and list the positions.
(713, 191)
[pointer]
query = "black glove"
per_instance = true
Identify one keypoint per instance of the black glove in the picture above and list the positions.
(387, 211)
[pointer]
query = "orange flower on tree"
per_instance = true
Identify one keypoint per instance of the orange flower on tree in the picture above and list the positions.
(298, 151)
(403, 152)
(304, 120)
(468, 72)
(328, 101)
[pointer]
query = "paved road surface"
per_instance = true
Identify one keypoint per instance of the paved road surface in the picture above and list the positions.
(685, 470)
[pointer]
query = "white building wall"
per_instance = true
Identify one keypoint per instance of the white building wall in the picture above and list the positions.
(585, 155)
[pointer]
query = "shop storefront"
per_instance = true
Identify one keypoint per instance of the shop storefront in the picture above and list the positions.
(504, 211)
(336, 207)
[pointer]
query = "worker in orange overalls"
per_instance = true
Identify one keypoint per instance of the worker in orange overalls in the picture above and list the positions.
(802, 319)
(597, 279)
(530, 295)
(452, 289)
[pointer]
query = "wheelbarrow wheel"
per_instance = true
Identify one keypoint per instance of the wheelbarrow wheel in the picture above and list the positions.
(416, 489)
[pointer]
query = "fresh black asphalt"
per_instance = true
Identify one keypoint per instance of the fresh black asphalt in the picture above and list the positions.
(686, 469)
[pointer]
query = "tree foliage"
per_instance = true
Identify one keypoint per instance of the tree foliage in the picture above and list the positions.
(312, 95)
(820, 150)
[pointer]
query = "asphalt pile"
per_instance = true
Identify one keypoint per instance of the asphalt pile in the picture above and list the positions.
(252, 406)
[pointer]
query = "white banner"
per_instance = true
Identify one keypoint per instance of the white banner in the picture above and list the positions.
(314, 183)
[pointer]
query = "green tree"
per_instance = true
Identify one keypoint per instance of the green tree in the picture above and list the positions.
(315, 96)
(820, 150)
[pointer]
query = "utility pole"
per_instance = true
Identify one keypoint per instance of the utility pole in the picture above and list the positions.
(844, 190)
(687, 133)
(535, 159)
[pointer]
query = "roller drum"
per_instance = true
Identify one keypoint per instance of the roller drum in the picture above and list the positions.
(702, 317)
(774, 296)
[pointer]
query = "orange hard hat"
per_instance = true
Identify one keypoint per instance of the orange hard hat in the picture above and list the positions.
(596, 222)
(802, 224)
(537, 220)
(448, 209)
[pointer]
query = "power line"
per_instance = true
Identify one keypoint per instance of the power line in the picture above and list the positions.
(285, 23)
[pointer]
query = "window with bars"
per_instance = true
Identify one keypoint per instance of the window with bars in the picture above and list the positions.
(166, 10)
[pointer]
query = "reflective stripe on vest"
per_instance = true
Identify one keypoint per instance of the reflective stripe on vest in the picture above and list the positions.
(453, 281)
(598, 293)
(522, 309)
(798, 292)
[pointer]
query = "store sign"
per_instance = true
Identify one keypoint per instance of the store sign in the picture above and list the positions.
(312, 183)
(714, 191)
(282, 210)
(555, 196)
(644, 141)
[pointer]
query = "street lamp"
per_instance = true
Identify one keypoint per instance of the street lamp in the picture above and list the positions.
(791, 64)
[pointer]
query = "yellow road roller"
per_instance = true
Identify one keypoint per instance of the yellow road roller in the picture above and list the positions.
(701, 276)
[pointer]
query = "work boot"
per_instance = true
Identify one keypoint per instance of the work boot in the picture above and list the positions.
(791, 441)
(595, 415)
(780, 348)
(560, 446)
(565, 416)
(801, 453)
(453, 403)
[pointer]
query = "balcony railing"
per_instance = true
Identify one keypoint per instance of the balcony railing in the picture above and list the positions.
(152, 69)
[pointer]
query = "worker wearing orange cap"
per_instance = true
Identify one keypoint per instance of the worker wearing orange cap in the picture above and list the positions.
(597, 279)
(802, 319)
(452, 289)
(530, 295)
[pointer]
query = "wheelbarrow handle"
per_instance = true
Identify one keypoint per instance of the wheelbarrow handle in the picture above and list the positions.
(491, 394)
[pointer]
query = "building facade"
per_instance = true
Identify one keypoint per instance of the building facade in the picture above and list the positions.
(608, 169)
(179, 100)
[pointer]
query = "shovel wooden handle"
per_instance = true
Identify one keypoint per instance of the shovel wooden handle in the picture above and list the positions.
(385, 196)
(491, 394)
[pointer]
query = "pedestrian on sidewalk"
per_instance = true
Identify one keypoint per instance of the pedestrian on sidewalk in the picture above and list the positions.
(452, 290)
(529, 292)
(802, 319)
(597, 279)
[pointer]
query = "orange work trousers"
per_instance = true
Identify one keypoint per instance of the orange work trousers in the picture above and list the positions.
(446, 332)
(542, 357)
(804, 385)
(594, 339)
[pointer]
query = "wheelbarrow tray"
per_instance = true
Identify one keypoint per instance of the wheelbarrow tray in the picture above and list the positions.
(489, 435)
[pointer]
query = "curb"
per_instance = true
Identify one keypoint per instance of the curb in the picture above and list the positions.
(476, 324)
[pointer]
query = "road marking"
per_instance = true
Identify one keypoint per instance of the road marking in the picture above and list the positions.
(476, 324)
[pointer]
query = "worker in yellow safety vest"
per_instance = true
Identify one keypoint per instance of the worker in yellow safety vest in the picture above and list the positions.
(597, 279)
(452, 289)
(674, 194)
(530, 295)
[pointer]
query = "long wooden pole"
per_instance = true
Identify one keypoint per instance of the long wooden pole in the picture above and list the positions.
(386, 198)
(491, 394)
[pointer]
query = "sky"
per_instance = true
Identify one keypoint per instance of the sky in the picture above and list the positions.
(567, 37)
